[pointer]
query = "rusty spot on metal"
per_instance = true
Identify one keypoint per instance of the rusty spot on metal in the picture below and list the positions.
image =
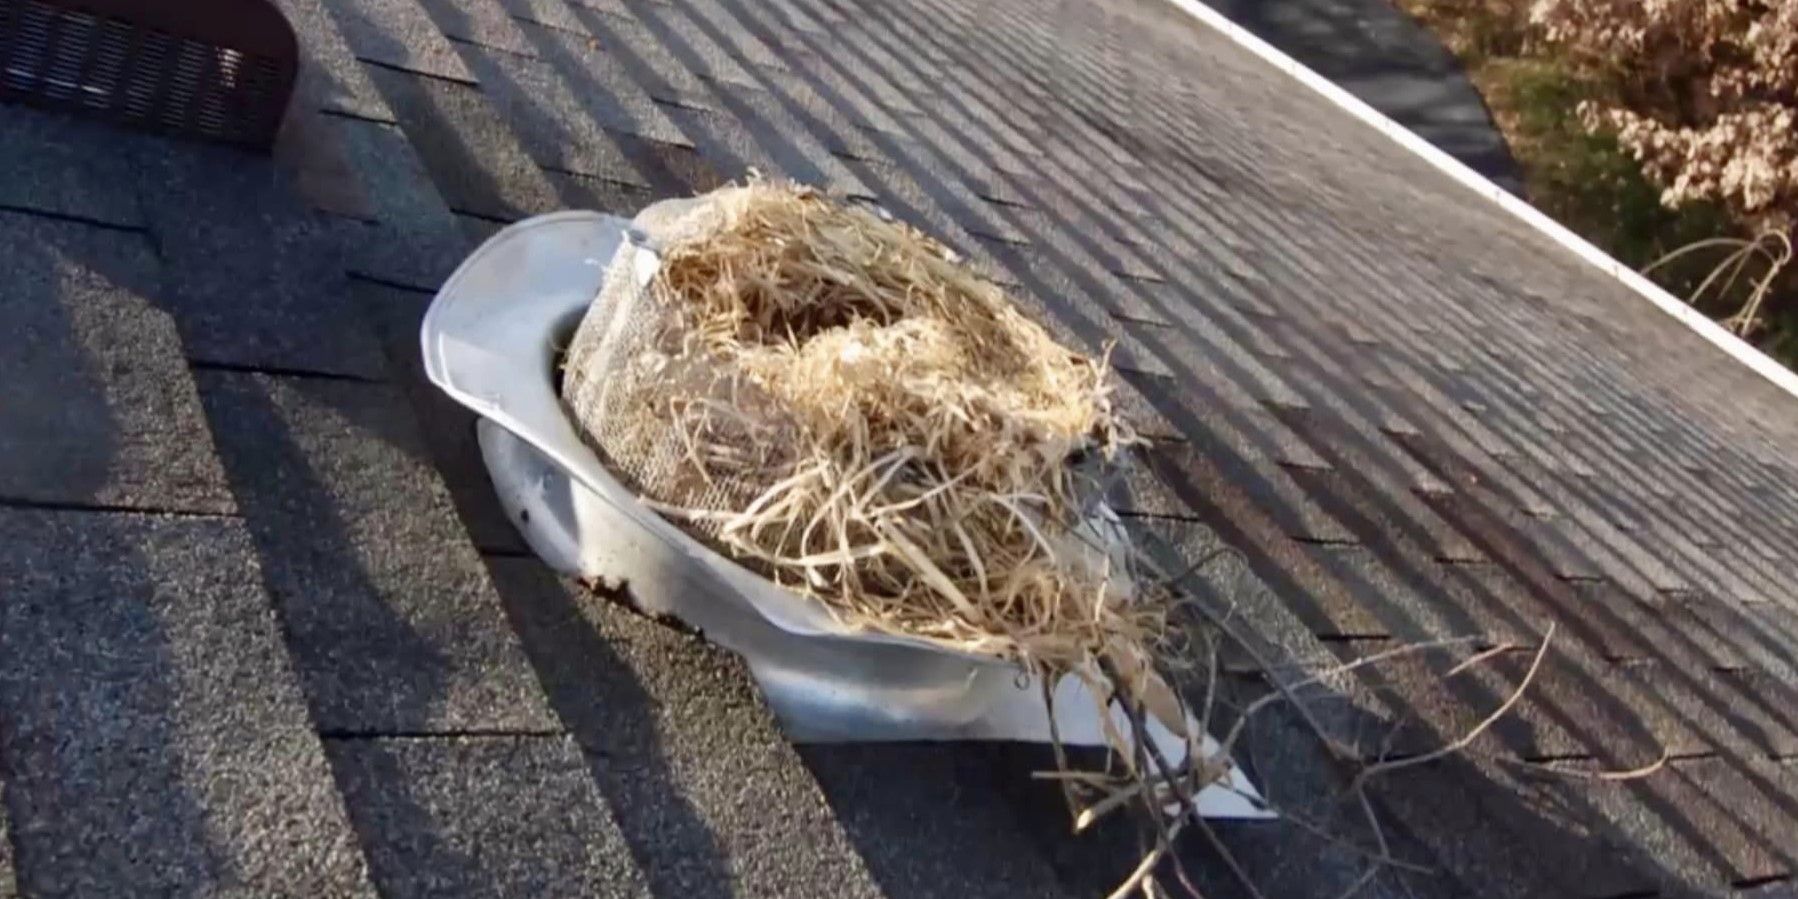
(619, 593)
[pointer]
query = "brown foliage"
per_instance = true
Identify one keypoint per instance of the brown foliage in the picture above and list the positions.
(1707, 94)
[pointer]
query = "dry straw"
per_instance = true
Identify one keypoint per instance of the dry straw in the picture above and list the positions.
(919, 446)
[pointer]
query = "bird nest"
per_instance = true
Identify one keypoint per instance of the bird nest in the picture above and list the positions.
(832, 399)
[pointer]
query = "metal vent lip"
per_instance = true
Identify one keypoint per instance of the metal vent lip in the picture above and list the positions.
(218, 70)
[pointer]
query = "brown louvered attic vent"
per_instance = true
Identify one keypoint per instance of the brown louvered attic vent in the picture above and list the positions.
(219, 70)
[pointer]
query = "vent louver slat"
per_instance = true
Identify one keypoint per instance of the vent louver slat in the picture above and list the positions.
(182, 66)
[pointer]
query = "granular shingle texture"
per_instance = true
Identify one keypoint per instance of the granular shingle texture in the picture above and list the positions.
(1384, 413)
(709, 797)
(154, 741)
(98, 407)
(9, 884)
(482, 816)
(392, 620)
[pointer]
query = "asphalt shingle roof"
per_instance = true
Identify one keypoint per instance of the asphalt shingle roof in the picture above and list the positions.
(264, 630)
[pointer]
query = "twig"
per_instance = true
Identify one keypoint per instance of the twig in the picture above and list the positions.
(1188, 808)
(1317, 830)
(1390, 765)
(1359, 884)
(1734, 263)
(1211, 653)
(1217, 845)
(1143, 869)
(1776, 263)
(1691, 248)
(1630, 774)
(1145, 747)
(1185, 881)
(1479, 657)
(1055, 744)
(1259, 704)
(1093, 813)
(1778, 257)
(1283, 690)
(1288, 691)
(1373, 820)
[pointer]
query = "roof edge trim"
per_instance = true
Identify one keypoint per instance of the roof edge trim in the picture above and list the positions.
(1716, 334)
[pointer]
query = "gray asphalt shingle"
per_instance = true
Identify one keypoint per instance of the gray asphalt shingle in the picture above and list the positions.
(98, 407)
(482, 22)
(411, 236)
(156, 740)
(314, 146)
(476, 163)
(390, 616)
(259, 278)
(605, 90)
(51, 169)
(558, 126)
(633, 47)
(445, 426)
(330, 78)
(947, 797)
(671, 42)
(398, 34)
(482, 816)
(550, 13)
(710, 797)
(9, 883)
(745, 139)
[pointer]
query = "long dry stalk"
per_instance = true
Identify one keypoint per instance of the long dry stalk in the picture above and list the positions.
(1772, 246)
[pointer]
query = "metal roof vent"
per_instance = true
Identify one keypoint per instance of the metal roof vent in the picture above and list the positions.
(219, 70)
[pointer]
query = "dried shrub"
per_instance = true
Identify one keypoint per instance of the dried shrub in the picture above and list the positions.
(1475, 30)
(1706, 94)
